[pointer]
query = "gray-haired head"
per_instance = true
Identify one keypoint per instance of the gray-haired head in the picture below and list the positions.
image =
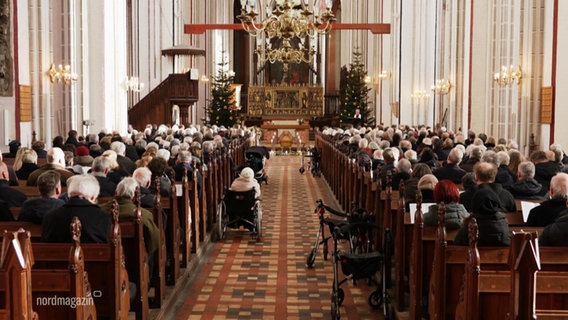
(127, 188)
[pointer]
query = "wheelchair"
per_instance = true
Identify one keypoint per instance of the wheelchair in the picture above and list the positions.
(239, 208)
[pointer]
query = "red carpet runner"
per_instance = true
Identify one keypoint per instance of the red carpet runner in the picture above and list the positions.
(269, 280)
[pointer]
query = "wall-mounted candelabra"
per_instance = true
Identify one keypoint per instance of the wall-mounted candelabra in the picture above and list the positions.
(508, 75)
(376, 79)
(61, 74)
(420, 95)
(442, 87)
(133, 84)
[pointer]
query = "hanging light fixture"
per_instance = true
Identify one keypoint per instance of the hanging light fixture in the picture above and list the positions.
(288, 19)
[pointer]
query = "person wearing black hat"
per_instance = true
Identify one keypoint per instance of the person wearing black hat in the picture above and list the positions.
(493, 227)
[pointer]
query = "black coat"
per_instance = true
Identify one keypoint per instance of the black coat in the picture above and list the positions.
(556, 234)
(526, 189)
(493, 231)
(504, 176)
(450, 171)
(146, 198)
(132, 153)
(126, 164)
(26, 169)
(35, 209)
(505, 196)
(546, 213)
(13, 197)
(5, 213)
(543, 173)
(95, 222)
(468, 164)
(466, 196)
(107, 187)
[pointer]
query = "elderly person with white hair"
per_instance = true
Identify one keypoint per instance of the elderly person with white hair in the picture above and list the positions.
(450, 169)
(143, 176)
(83, 191)
(125, 195)
(114, 174)
(100, 170)
(526, 187)
(124, 163)
(245, 182)
(55, 161)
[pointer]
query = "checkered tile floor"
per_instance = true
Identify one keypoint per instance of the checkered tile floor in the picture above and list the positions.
(244, 279)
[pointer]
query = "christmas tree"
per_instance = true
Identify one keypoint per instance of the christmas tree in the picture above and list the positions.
(354, 92)
(222, 110)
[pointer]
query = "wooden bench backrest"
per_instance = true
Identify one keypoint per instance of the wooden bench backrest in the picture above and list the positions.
(15, 276)
(494, 279)
(104, 263)
(60, 272)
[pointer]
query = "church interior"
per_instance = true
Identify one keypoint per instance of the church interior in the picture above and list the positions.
(210, 81)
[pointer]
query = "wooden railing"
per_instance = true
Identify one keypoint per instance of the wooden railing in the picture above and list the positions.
(156, 107)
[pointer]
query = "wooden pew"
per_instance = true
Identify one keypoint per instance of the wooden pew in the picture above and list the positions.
(158, 277)
(138, 262)
(15, 277)
(105, 264)
(189, 215)
(495, 279)
(136, 256)
(399, 255)
(60, 284)
(173, 237)
(418, 247)
(523, 263)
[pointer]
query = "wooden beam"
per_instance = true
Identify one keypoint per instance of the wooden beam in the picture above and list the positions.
(375, 28)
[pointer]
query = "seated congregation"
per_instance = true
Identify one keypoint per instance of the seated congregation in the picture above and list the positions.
(157, 191)
(144, 204)
(473, 178)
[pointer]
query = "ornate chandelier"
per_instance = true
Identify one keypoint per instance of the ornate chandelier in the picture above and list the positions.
(286, 21)
(286, 54)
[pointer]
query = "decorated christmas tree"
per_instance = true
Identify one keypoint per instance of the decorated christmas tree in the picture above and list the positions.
(354, 93)
(222, 110)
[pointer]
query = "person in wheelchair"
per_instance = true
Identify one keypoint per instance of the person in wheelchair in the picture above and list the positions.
(245, 182)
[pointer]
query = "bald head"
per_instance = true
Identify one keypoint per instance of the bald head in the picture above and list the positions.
(56, 156)
(484, 172)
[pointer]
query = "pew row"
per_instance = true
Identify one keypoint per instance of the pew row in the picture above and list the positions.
(494, 287)
(60, 284)
(107, 264)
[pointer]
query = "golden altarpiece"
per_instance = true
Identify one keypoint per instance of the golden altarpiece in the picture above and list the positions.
(285, 110)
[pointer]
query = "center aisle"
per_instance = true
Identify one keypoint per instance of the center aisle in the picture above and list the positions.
(243, 279)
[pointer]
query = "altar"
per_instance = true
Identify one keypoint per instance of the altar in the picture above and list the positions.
(284, 132)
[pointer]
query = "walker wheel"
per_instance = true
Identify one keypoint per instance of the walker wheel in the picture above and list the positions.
(375, 299)
(340, 296)
(311, 259)
(302, 170)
